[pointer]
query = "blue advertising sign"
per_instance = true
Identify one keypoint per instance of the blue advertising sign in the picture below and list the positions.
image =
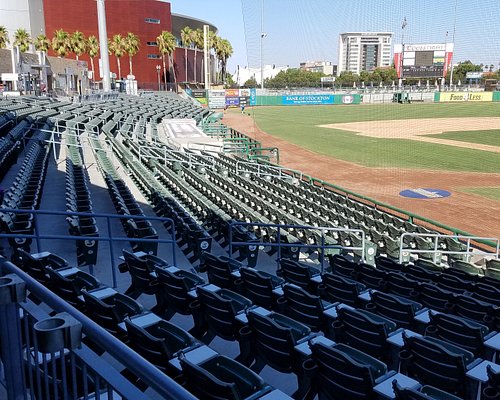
(232, 101)
(308, 99)
(253, 96)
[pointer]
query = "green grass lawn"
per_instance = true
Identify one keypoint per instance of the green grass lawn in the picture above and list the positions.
(491, 193)
(490, 137)
(298, 125)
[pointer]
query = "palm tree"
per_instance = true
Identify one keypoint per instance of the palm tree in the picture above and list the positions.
(60, 43)
(132, 45)
(198, 44)
(22, 39)
(187, 40)
(4, 37)
(223, 52)
(117, 47)
(78, 44)
(93, 51)
(167, 44)
(42, 44)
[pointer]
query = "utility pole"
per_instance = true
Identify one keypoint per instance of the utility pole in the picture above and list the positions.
(262, 36)
(103, 45)
(453, 40)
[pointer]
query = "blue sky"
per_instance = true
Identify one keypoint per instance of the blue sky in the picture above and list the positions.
(300, 30)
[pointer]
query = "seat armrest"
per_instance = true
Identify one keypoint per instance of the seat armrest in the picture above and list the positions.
(241, 301)
(384, 377)
(127, 306)
(299, 330)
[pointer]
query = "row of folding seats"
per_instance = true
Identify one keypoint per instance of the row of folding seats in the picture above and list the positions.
(13, 143)
(26, 190)
(7, 121)
(78, 200)
(125, 203)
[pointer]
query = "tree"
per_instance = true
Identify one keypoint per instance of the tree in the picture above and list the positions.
(4, 37)
(460, 71)
(78, 44)
(167, 44)
(132, 44)
(22, 39)
(117, 47)
(60, 43)
(93, 51)
(223, 50)
(250, 83)
(187, 40)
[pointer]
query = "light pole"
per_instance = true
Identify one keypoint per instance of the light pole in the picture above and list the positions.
(158, 69)
(453, 40)
(262, 36)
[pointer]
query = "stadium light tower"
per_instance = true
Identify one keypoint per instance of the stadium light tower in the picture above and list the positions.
(103, 45)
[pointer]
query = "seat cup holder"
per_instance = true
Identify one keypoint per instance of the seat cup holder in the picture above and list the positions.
(491, 393)
(309, 367)
(12, 289)
(405, 359)
(321, 289)
(371, 307)
(431, 331)
(58, 332)
(281, 305)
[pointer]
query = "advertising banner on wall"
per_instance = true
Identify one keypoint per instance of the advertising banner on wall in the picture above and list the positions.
(198, 93)
(217, 98)
(466, 96)
(253, 96)
(307, 99)
(232, 92)
(233, 101)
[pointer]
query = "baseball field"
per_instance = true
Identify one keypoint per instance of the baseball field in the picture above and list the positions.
(380, 150)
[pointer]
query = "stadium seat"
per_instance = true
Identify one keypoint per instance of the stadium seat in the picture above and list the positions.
(342, 372)
(397, 309)
(423, 393)
(435, 362)
(336, 288)
(258, 286)
(220, 377)
(298, 273)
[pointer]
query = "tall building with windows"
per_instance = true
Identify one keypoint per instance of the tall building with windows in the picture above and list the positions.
(364, 51)
(145, 18)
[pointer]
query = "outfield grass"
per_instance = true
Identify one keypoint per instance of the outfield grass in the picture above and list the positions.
(298, 125)
(491, 192)
(490, 137)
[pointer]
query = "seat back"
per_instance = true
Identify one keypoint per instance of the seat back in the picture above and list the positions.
(219, 313)
(394, 308)
(401, 285)
(372, 277)
(387, 264)
(296, 273)
(218, 271)
(140, 273)
(355, 328)
(105, 315)
(340, 376)
(457, 331)
(205, 385)
(344, 290)
(342, 266)
(175, 291)
(273, 342)
(468, 307)
(257, 287)
(423, 393)
(433, 362)
(434, 297)
(304, 307)
(487, 293)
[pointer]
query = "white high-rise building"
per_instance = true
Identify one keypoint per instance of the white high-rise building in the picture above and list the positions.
(364, 51)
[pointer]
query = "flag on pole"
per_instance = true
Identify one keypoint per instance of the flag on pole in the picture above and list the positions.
(403, 25)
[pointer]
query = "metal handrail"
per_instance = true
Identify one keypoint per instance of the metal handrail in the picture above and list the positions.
(109, 238)
(152, 376)
(279, 245)
(470, 250)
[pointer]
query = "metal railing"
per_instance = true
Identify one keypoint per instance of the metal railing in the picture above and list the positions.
(263, 170)
(320, 232)
(109, 237)
(40, 362)
(436, 239)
